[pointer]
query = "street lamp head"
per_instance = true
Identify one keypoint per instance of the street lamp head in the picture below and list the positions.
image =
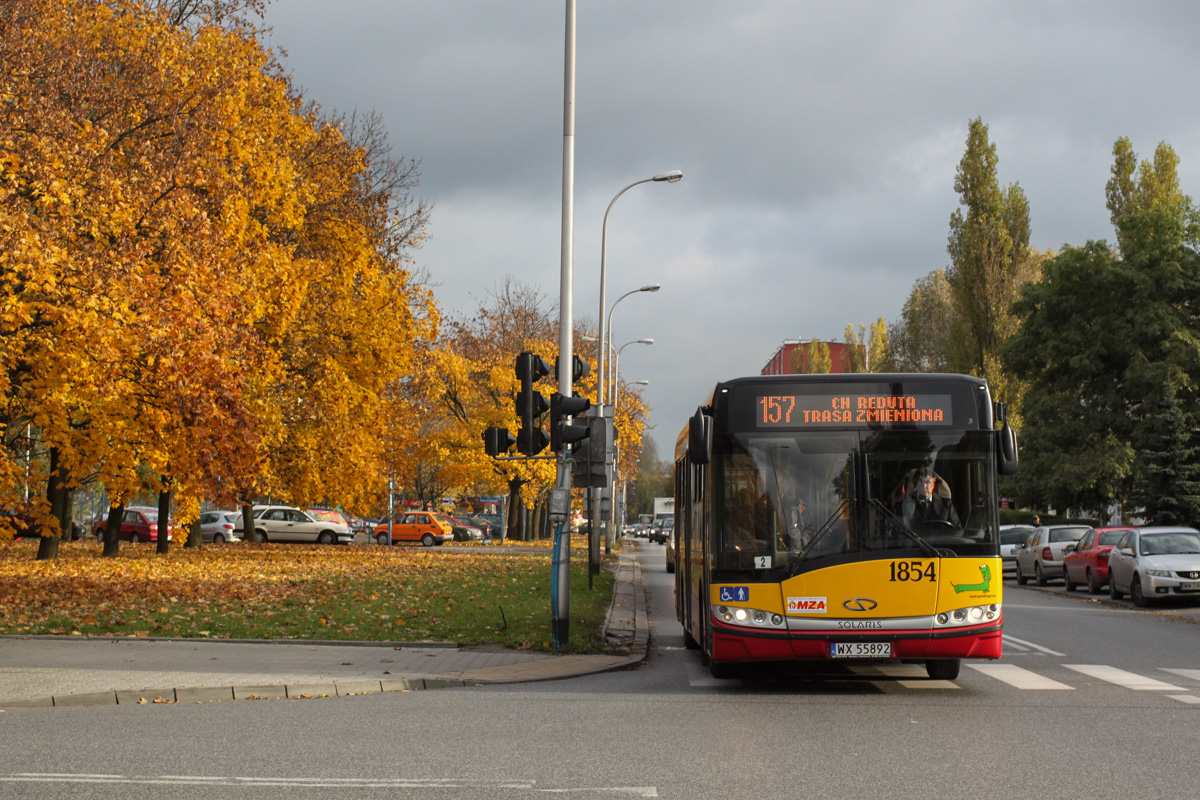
(674, 176)
(645, 341)
(641, 383)
(652, 287)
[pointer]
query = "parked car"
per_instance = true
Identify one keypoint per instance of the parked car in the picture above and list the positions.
(1154, 562)
(1011, 539)
(139, 524)
(462, 531)
(328, 515)
(289, 524)
(671, 551)
(483, 525)
(220, 526)
(416, 526)
(1042, 554)
(1087, 561)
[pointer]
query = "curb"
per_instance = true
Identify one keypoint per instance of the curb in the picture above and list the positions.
(213, 694)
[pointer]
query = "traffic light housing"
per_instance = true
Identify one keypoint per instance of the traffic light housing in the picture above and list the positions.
(580, 369)
(531, 404)
(497, 441)
(563, 433)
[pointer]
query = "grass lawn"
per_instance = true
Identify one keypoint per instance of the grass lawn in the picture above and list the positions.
(470, 595)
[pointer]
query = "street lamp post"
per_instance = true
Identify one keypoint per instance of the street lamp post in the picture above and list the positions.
(674, 176)
(615, 373)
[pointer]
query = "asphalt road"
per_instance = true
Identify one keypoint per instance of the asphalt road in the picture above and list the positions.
(1091, 699)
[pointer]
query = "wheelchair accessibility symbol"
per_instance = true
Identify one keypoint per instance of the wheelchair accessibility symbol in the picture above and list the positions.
(735, 594)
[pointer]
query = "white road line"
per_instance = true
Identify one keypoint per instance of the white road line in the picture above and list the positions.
(438, 784)
(1022, 643)
(1185, 698)
(1120, 677)
(1018, 676)
(1194, 674)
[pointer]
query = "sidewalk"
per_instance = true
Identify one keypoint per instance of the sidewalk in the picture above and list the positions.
(73, 671)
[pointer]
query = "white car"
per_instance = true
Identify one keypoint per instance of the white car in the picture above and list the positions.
(1150, 563)
(289, 524)
(220, 526)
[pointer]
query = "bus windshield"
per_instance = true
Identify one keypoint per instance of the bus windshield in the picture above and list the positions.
(800, 501)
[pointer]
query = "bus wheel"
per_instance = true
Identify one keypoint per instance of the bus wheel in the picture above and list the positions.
(943, 669)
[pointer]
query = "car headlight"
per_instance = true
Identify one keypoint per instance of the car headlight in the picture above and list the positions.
(1159, 573)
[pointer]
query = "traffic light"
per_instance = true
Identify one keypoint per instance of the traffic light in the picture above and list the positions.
(531, 404)
(563, 434)
(497, 441)
(580, 369)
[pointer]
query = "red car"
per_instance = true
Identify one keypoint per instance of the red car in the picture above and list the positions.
(1087, 560)
(140, 524)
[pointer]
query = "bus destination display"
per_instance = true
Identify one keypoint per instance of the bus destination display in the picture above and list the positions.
(852, 410)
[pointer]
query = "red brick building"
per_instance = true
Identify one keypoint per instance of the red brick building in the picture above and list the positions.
(781, 363)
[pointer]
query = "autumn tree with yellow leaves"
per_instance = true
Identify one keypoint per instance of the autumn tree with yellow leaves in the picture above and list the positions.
(202, 283)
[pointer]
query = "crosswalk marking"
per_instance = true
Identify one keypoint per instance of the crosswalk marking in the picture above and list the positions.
(1024, 646)
(1194, 674)
(1120, 677)
(1019, 677)
(1185, 698)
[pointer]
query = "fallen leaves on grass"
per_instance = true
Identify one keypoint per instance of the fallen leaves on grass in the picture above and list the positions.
(279, 591)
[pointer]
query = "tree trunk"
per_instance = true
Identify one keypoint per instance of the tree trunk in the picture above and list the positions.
(194, 540)
(516, 520)
(248, 532)
(48, 545)
(164, 521)
(112, 531)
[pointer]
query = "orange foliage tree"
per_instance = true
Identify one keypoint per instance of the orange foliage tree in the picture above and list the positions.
(203, 283)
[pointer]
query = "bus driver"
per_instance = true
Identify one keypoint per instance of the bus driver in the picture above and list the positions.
(927, 499)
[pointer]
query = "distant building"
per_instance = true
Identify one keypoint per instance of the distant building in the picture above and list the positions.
(781, 362)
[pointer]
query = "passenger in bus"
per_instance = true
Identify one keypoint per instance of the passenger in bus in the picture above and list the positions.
(926, 498)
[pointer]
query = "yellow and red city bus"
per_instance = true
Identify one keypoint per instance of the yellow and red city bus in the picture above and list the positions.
(842, 517)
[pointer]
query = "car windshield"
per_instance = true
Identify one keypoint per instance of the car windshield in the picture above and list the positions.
(1161, 544)
(1067, 534)
(1110, 537)
(1015, 535)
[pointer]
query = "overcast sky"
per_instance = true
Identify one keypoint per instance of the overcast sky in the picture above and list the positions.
(818, 142)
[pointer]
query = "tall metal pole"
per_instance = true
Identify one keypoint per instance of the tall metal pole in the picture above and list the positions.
(560, 583)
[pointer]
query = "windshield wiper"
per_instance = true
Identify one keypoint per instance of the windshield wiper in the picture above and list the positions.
(794, 567)
(904, 526)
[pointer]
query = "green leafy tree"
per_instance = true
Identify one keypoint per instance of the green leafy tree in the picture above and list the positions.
(1110, 344)
(921, 340)
(989, 254)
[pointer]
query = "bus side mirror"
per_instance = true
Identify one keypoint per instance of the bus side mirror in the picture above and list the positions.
(1006, 442)
(700, 437)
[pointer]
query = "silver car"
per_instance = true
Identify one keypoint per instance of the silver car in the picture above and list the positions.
(1011, 539)
(1042, 554)
(1149, 563)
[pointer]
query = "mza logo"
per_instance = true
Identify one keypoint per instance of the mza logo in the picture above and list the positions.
(806, 605)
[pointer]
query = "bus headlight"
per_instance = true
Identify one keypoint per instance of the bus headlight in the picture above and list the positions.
(750, 617)
(972, 615)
